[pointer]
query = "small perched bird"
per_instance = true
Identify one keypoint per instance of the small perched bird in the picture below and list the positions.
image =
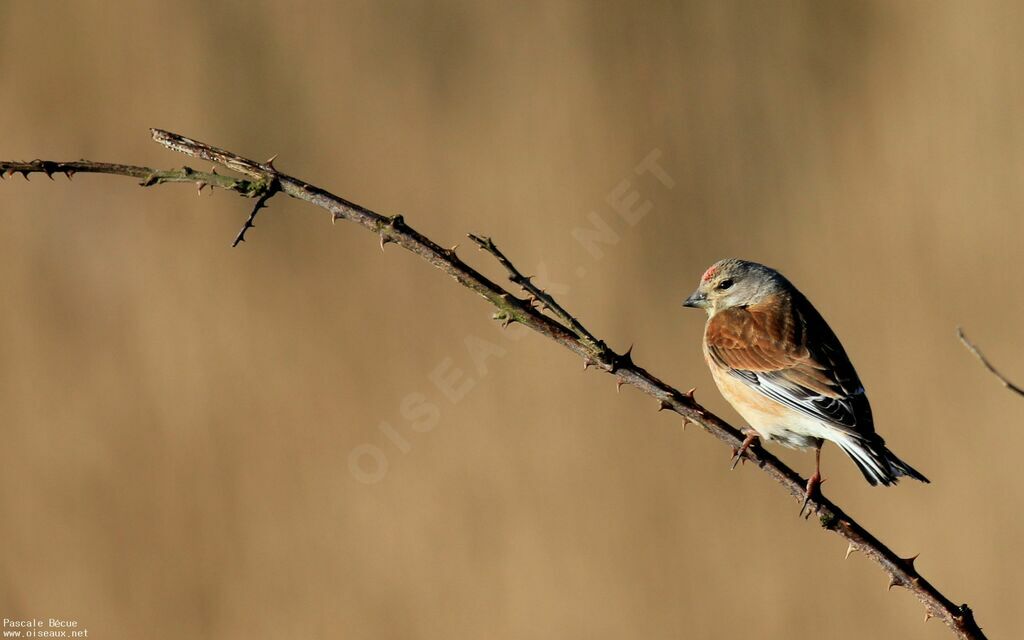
(778, 363)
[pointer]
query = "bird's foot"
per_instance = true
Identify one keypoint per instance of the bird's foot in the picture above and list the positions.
(737, 454)
(813, 484)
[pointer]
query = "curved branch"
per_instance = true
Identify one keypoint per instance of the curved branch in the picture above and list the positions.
(988, 365)
(563, 328)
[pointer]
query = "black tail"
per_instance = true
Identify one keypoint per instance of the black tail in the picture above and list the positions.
(876, 462)
(903, 469)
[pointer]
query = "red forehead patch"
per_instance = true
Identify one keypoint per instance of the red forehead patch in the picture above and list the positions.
(709, 273)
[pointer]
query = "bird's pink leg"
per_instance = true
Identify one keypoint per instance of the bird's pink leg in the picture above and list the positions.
(813, 482)
(737, 454)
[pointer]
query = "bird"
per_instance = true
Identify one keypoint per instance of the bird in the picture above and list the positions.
(780, 365)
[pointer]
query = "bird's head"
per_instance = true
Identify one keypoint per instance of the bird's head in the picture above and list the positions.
(733, 283)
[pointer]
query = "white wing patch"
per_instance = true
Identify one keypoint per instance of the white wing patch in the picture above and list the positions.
(839, 411)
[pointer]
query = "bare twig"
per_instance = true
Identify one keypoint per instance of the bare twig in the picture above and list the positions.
(988, 365)
(536, 293)
(271, 188)
(564, 329)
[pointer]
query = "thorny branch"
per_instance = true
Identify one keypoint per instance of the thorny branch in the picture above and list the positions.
(988, 365)
(263, 180)
(537, 294)
(261, 202)
(148, 177)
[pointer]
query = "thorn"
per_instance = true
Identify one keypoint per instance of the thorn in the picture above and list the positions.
(662, 405)
(24, 173)
(965, 614)
(849, 549)
(618, 384)
(587, 363)
(69, 173)
(384, 240)
(689, 394)
(336, 216)
(910, 561)
(480, 241)
(451, 249)
(686, 421)
(200, 186)
(396, 221)
(927, 616)
(270, 161)
(625, 360)
(46, 166)
(893, 582)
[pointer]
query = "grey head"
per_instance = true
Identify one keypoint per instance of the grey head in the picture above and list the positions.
(735, 283)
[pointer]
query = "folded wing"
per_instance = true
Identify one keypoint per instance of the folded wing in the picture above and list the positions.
(783, 349)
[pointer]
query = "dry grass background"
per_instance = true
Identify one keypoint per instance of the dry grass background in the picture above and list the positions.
(177, 416)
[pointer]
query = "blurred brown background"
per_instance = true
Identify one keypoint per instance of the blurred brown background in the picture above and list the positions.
(179, 418)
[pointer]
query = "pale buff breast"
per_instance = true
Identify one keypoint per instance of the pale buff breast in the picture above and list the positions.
(770, 419)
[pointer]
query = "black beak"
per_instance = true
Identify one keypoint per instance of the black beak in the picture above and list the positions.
(698, 300)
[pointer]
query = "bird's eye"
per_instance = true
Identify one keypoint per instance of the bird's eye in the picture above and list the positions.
(725, 284)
